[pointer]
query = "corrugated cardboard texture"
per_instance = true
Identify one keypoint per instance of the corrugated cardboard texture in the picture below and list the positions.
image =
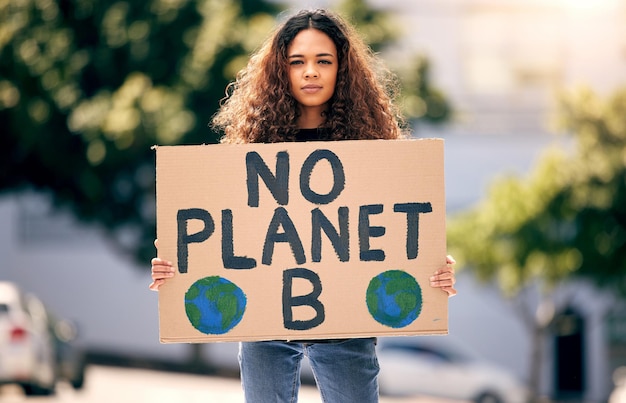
(196, 182)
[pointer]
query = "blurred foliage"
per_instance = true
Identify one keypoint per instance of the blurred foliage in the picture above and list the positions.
(420, 100)
(88, 86)
(568, 218)
(375, 26)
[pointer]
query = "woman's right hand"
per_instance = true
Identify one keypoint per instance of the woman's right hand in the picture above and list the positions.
(161, 271)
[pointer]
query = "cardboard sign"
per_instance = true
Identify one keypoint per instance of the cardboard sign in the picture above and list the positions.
(293, 241)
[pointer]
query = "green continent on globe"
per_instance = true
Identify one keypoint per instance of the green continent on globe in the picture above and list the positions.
(214, 305)
(394, 298)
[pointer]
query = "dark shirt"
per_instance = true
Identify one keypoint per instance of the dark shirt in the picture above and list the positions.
(311, 135)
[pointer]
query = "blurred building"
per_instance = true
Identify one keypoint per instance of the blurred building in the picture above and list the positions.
(503, 61)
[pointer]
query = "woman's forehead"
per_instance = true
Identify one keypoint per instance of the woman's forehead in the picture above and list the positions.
(311, 42)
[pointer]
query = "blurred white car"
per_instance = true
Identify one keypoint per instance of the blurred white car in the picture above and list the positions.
(433, 366)
(418, 366)
(618, 395)
(27, 348)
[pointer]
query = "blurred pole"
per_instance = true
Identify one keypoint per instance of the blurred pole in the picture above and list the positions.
(543, 318)
(196, 361)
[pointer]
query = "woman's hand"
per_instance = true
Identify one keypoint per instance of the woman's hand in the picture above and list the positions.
(161, 271)
(444, 278)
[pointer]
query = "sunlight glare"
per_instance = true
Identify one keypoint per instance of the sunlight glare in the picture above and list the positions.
(587, 5)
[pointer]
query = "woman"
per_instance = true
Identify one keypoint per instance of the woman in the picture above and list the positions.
(314, 79)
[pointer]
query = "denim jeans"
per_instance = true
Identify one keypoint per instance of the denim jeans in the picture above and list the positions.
(345, 371)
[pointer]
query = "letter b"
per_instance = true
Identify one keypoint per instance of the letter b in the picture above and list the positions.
(310, 299)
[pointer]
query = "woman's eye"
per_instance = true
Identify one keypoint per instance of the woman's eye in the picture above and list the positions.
(325, 62)
(295, 62)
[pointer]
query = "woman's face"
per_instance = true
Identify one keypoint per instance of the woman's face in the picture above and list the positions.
(313, 65)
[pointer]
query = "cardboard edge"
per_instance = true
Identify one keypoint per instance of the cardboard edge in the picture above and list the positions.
(204, 339)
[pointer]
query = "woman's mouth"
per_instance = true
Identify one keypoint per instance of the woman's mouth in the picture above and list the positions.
(311, 88)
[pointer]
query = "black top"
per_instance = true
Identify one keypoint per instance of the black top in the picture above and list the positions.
(311, 135)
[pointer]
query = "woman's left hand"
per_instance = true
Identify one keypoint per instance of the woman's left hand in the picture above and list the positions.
(444, 278)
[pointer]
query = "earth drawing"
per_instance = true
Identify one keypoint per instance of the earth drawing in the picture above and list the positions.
(214, 305)
(394, 298)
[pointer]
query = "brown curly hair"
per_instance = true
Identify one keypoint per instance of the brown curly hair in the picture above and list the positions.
(259, 106)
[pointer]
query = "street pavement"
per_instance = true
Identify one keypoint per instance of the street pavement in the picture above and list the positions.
(126, 385)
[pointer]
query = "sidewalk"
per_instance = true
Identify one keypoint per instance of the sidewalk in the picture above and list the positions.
(126, 385)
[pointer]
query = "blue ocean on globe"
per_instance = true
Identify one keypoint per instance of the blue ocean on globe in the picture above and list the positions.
(214, 305)
(394, 298)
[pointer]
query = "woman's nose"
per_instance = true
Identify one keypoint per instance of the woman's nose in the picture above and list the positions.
(310, 73)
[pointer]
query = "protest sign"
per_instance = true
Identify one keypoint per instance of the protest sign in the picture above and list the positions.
(311, 240)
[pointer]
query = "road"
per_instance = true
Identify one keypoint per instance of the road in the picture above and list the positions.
(124, 385)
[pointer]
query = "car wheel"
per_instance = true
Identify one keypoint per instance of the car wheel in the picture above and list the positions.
(488, 397)
(36, 390)
(78, 381)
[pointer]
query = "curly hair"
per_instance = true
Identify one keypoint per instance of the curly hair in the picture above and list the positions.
(259, 106)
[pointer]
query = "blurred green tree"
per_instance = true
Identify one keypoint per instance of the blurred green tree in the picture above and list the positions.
(377, 27)
(87, 87)
(422, 101)
(567, 220)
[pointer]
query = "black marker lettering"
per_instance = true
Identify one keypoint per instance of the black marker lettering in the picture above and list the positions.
(412, 211)
(311, 299)
(184, 239)
(340, 240)
(339, 177)
(366, 232)
(290, 235)
(228, 249)
(277, 184)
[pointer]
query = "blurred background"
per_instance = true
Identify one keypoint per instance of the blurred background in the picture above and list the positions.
(530, 96)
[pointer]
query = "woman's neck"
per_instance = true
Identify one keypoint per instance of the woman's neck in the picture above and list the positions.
(311, 118)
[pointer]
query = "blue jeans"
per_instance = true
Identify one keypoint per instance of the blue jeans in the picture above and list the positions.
(345, 371)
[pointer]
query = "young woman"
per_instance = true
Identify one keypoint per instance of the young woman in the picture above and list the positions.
(314, 79)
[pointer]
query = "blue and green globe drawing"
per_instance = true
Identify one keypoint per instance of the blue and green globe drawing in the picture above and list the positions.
(394, 298)
(214, 305)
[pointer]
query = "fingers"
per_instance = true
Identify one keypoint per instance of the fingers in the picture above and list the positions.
(444, 278)
(445, 272)
(161, 271)
(154, 286)
(450, 290)
(448, 269)
(444, 281)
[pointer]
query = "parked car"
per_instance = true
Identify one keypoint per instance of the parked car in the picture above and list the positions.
(433, 366)
(418, 366)
(36, 348)
(70, 357)
(27, 350)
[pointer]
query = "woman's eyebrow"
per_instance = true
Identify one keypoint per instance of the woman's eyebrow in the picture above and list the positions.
(317, 55)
